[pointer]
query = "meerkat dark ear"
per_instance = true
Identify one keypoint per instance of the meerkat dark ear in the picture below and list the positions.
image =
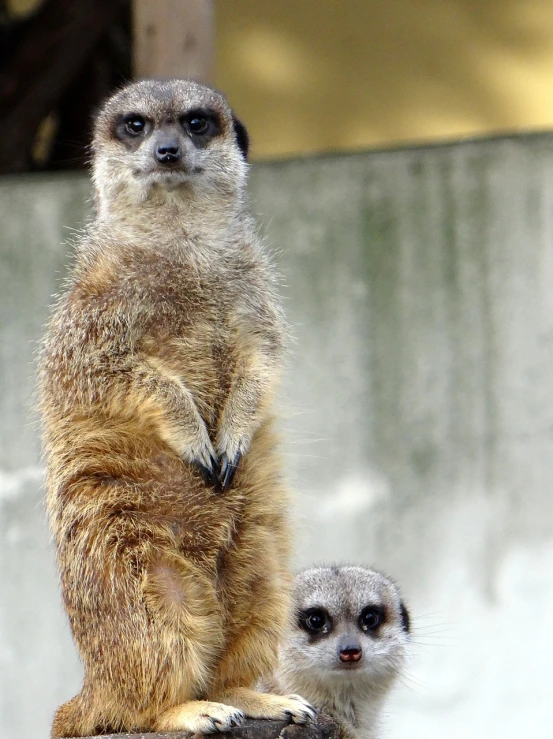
(405, 618)
(242, 138)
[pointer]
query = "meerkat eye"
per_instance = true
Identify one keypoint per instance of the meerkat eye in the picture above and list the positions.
(198, 125)
(315, 621)
(201, 123)
(134, 124)
(371, 618)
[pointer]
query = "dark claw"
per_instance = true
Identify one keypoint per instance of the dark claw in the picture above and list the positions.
(289, 717)
(210, 475)
(227, 470)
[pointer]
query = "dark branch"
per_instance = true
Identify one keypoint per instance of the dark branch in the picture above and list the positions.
(52, 47)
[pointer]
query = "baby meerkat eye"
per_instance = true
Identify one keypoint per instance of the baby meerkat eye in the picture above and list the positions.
(134, 124)
(371, 618)
(315, 621)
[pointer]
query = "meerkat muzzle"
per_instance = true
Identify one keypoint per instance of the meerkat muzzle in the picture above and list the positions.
(168, 152)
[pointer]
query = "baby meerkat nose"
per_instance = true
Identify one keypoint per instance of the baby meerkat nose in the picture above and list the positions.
(351, 653)
(168, 152)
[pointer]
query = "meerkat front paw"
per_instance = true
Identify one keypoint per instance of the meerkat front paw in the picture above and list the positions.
(201, 717)
(209, 471)
(220, 718)
(231, 450)
(292, 708)
(298, 709)
(202, 454)
(227, 469)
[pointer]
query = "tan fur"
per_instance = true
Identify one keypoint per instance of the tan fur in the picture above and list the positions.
(164, 351)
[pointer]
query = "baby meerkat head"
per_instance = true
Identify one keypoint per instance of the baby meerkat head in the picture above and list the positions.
(156, 137)
(350, 623)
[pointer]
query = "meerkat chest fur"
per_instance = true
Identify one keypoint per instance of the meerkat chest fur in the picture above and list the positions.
(171, 319)
(192, 307)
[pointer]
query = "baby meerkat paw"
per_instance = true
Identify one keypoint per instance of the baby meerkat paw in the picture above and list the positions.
(201, 717)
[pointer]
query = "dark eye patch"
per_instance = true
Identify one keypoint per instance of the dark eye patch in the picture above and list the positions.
(371, 617)
(315, 621)
(201, 124)
(134, 124)
(130, 128)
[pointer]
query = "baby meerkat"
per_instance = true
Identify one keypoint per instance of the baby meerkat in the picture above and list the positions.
(164, 486)
(347, 646)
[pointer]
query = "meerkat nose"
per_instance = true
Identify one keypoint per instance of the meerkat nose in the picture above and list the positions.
(168, 152)
(351, 654)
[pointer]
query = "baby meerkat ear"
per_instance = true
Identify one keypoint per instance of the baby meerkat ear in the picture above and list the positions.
(405, 618)
(242, 138)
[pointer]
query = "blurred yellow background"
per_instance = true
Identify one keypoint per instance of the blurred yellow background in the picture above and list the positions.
(318, 75)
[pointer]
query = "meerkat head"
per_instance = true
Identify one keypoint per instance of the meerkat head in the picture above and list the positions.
(165, 140)
(350, 623)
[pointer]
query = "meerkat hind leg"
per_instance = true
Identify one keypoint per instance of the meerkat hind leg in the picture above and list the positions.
(269, 706)
(200, 717)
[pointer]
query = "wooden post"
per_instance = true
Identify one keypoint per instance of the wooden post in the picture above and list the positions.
(173, 38)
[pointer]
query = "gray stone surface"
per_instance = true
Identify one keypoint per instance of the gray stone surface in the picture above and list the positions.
(321, 728)
(418, 416)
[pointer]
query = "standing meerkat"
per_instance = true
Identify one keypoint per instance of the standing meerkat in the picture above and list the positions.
(347, 647)
(156, 377)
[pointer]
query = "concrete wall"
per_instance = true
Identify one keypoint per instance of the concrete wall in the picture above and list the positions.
(418, 416)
